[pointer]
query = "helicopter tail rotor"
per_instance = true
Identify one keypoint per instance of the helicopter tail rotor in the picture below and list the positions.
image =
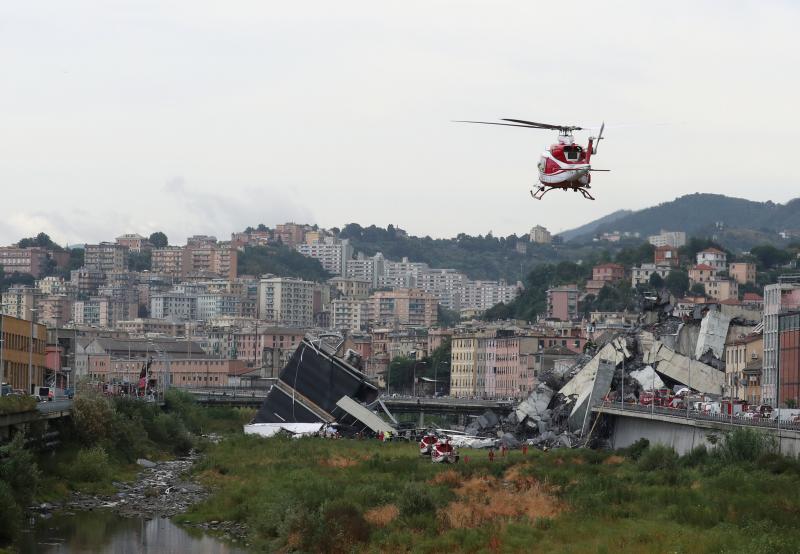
(599, 138)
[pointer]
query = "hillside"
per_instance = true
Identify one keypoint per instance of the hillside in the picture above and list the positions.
(281, 261)
(736, 223)
(592, 226)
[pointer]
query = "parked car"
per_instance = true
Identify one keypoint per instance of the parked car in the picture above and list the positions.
(5, 389)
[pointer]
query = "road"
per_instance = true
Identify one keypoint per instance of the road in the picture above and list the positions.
(54, 406)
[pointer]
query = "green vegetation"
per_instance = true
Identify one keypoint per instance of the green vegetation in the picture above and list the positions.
(437, 365)
(158, 240)
(281, 261)
(16, 404)
(362, 496)
(19, 478)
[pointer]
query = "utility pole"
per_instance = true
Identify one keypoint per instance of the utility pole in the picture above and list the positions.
(30, 353)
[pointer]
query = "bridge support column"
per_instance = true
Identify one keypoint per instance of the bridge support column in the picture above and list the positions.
(462, 419)
(421, 419)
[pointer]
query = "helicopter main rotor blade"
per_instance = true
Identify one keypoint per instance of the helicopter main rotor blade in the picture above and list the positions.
(503, 124)
(546, 125)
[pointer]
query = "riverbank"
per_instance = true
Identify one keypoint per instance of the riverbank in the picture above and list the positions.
(324, 495)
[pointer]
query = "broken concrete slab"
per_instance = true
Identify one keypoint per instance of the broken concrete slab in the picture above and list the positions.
(686, 342)
(591, 396)
(647, 378)
(536, 404)
(509, 441)
(713, 332)
(613, 352)
(697, 375)
(146, 463)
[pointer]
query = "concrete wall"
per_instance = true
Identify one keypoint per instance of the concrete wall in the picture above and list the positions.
(683, 437)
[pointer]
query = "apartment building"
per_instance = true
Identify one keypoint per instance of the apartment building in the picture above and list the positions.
(702, 273)
(608, 273)
(675, 239)
(722, 289)
(641, 275)
(213, 305)
(19, 301)
(173, 306)
(366, 269)
(562, 303)
(742, 272)
(350, 313)
(286, 301)
(31, 261)
(351, 288)
(739, 354)
(106, 257)
(540, 235)
(666, 255)
(290, 234)
(407, 307)
(167, 260)
(134, 242)
(332, 253)
(714, 257)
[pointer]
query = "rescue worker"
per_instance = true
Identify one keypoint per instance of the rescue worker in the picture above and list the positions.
(491, 454)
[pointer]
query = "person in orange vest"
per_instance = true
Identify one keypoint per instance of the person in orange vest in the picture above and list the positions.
(491, 454)
(380, 436)
(525, 449)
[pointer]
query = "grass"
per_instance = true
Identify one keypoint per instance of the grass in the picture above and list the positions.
(341, 496)
(16, 404)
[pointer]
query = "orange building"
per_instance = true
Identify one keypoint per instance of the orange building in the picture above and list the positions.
(16, 349)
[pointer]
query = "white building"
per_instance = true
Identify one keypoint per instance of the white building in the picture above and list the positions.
(286, 301)
(173, 306)
(676, 239)
(349, 313)
(540, 235)
(214, 305)
(366, 269)
(331, 252)
(641, 275)
(714, 257)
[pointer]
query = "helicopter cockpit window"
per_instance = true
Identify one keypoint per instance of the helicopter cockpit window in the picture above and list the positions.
(572, 153)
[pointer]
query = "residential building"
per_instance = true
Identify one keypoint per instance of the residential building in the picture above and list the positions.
(54, 285)
(20, 339)
(675, 239)
(779, 298)
(609, 272)
(18, 301)
(742, 272)
(350, 313)
(351, 288)
(105, 257)
(31, 260)
(290, 234)
(722, 289)
(167, 260)
(54, 310)
(149, 326)
(331, 252)
(540, 235)
(286, 301)
(641, 275)
(134, 242)
(366, 269)
(788, 379)
(205, 257)
(482, 295)
(85, 281)
(740, 353)
(406, 307)
(214, 305)
(666, 255)
(173, 306)
(562, 303)
(714, 257)
(702, 273)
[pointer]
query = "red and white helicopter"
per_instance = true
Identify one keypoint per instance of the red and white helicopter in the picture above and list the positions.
(565, 165)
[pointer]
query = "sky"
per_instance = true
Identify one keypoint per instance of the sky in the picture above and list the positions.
(205, 117)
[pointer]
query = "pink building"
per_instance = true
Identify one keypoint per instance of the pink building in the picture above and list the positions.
(608, 272)
(562, 303)
(666, 255)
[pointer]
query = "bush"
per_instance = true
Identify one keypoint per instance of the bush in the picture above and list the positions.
(696, 457)
(91, 466)
(168, 430)
(416, 499)
(16, 404)
(635, 451)
(92, 416)
(19, 471)
(746, 445)
(10, 514)
(658, 457)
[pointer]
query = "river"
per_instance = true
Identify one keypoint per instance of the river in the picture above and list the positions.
(104, 531)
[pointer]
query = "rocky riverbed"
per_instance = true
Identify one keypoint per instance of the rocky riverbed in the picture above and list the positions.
(161, 489)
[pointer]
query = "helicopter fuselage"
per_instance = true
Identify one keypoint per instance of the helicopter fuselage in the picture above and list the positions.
(565, 164)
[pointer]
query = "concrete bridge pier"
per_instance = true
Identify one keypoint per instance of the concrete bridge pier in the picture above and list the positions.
(421, 419)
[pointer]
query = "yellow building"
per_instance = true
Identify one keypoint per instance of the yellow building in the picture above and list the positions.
(16, 351)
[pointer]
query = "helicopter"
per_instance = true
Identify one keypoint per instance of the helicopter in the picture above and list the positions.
(565, 165)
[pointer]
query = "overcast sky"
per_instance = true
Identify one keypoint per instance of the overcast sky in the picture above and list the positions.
(207, 116)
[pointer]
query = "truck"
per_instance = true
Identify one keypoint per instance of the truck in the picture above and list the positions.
(5, 389)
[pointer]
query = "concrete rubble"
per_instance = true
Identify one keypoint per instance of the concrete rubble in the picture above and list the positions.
(647, 378)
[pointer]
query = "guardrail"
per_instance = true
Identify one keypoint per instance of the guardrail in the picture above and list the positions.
(694, 414)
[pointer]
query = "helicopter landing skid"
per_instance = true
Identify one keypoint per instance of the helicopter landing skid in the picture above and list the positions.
(541, 191)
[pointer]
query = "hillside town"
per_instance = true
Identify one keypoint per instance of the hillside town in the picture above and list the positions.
(192, 313)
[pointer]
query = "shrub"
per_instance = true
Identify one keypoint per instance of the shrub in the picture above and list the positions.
(746, 445)
(696, 457)
(10, 514)
(168, 430)
(658, 457)
(16, 404)
(92, 416)
(91, 466)
(19, 471)
(416, 499)
(635, 450)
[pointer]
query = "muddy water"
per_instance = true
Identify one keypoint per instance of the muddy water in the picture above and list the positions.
(103, 531)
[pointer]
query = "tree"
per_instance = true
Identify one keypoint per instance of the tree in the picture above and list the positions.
(768, 256)
(447, 317)
(139, 261)
(656, 281)
(698, 288)
(159, 239)
(677, 282)
(401, 374)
